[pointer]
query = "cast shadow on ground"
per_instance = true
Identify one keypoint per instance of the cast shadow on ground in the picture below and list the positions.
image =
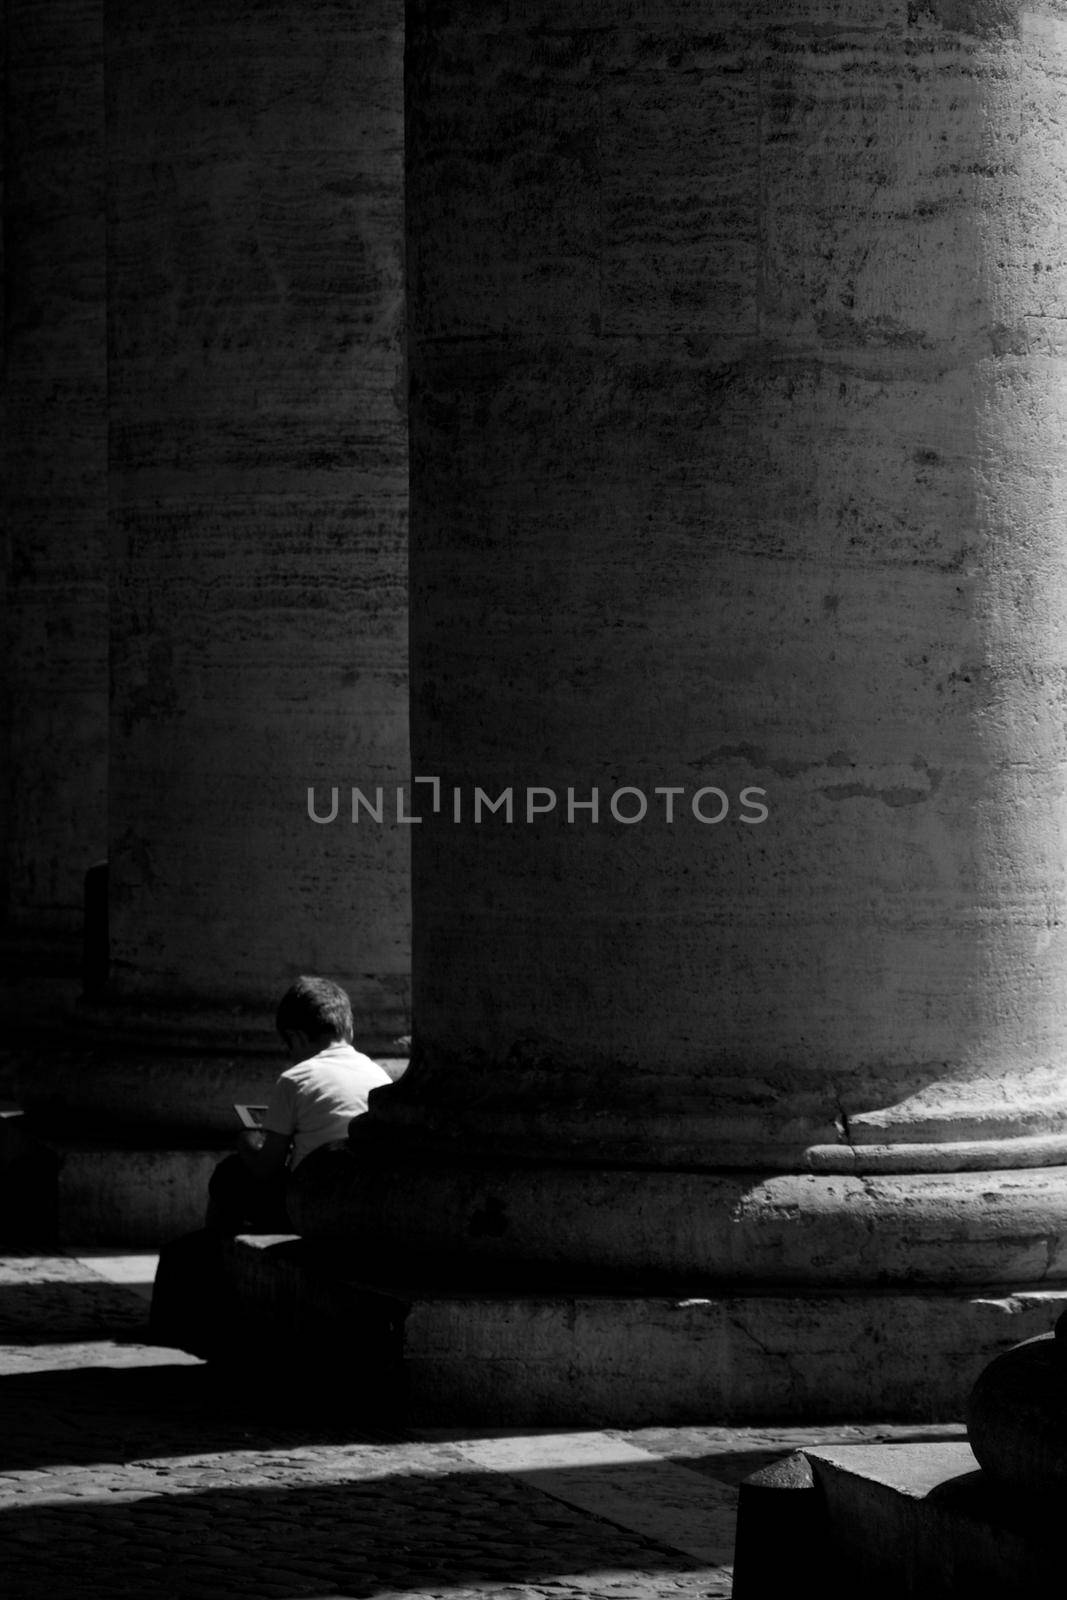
(69, 1312)
(358, 1537)
(60, 1416)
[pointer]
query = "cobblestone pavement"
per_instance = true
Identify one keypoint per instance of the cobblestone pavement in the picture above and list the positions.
(126, 1471)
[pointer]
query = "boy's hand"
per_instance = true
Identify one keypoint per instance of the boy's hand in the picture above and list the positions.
(263, 1153)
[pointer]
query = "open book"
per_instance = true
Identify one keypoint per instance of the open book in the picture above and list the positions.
(251, 1116)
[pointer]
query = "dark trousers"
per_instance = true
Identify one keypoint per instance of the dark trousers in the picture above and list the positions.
(193, 1304)
(242, 1202)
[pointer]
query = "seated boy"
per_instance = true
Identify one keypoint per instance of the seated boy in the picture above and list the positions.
(310, 1107)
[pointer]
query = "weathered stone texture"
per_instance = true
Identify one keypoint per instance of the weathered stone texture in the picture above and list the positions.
(738, 400)
(908, 1521)
(55, 462)
(258, 478)
(1002, 1229)
(526, 1354)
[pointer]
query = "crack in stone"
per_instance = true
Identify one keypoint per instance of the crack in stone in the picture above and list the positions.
(772, 1355)
(1050, 1256)
(842, 1124)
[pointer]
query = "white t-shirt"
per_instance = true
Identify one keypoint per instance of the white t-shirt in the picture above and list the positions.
(313, 1103)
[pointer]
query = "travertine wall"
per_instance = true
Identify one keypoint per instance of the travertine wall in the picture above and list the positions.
(258, 483)
(738, 410)
(54, 630)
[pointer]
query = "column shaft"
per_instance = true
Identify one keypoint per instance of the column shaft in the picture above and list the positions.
(737, 406)
(54, 693)
(738, 393)
(258, 483)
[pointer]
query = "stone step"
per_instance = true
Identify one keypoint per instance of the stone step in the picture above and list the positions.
(503, 1357)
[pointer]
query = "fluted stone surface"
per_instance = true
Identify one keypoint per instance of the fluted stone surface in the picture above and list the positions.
(738, 401)
(258, 479)
(54, 639)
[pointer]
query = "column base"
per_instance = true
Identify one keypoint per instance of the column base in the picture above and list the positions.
(566, 1357)
(974, 1127)
(645, 1227)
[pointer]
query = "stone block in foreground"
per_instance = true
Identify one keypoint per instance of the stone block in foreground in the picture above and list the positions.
(896, 1522)
(500, 1356)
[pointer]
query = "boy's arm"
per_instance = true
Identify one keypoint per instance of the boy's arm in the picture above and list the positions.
(263, 1153)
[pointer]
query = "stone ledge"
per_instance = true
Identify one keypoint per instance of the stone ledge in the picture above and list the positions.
(498, 1357)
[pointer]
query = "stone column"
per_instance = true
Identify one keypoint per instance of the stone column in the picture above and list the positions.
(53, 699)
(738, 400)
(258, 490)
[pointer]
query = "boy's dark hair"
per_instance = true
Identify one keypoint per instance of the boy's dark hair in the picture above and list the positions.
(316, 1007)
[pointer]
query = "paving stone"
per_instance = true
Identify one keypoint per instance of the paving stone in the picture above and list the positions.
(126, 1470)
